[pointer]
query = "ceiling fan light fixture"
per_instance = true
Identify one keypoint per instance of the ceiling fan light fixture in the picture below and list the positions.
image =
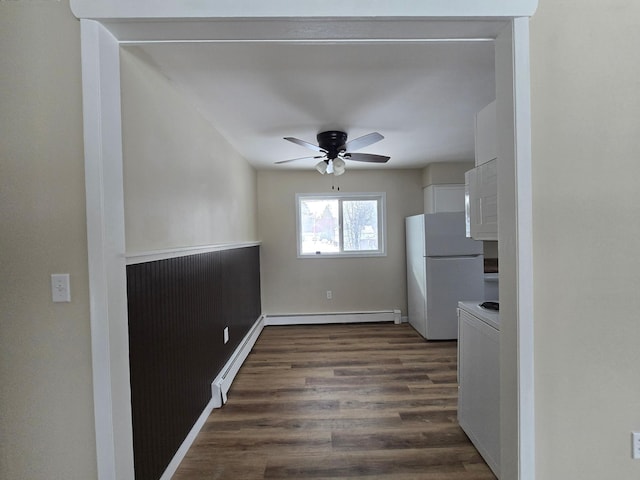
(335, 149)
(338, 166)
(322, 167)
(330, 166)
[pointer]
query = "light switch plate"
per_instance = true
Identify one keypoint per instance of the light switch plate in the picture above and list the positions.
(60, 287)
(635, 445)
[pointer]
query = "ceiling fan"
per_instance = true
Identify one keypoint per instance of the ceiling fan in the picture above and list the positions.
(335, 150)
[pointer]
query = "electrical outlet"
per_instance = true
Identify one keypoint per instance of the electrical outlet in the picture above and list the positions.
(225, 334)
(60, 287)
(635, 445)
(329, 294)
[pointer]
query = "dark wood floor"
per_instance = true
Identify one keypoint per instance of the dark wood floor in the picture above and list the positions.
(368, 401)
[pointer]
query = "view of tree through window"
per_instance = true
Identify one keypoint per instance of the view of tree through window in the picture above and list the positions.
(339, 224)
(360, 230)
(319, 226)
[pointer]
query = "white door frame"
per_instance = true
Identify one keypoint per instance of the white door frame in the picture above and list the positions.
(106, 24)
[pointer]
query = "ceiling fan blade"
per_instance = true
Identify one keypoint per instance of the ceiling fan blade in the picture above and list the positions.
(364, 141)
(302, 143)
(366, 157)
(296, 159)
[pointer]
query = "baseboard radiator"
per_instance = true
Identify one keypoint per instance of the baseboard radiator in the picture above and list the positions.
(338, 317)
(222, 383)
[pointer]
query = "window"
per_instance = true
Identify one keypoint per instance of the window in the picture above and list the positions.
(347, 224)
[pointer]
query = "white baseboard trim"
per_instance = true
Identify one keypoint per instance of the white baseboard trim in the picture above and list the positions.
(222, 383)
(186, 444)
(338, 317)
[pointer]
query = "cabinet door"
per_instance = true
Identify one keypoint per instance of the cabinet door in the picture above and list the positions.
(486, 134)
(471, 207)
(487, 188)
(482, 208)
(444, 198)
(449, 198)
(479, 386)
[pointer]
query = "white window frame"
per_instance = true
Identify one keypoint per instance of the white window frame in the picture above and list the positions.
(380, 197)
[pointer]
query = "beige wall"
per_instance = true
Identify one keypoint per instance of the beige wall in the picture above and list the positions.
(293, 285)
(46, 402)
(586, 165)
(184, 185)
(442, 173)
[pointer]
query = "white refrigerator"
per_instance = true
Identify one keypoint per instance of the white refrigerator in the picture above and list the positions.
(443, 268)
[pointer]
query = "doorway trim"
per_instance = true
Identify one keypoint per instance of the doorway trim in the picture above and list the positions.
(105, 25)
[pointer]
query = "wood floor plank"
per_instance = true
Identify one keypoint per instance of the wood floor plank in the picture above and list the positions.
(307, 391)
(329, 402)
(442, 436)
(305, 424)
(366, 465)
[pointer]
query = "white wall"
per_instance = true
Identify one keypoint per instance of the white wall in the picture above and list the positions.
(46, 402)
(442, 173)
(184, 185)
(586, 165)
(293, 285)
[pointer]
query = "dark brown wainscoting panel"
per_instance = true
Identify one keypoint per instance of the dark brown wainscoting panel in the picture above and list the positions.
(178, 309)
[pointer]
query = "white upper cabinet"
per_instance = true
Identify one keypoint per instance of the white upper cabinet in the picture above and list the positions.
(482, 207)
(486, 135)
(486, 203)
(470, 203)
(444, 198)
(482, 181)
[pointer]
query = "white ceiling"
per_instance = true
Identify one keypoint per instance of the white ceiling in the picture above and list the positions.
(421, 96)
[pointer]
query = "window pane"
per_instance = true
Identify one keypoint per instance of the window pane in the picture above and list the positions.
(319, 226)
(360, 229)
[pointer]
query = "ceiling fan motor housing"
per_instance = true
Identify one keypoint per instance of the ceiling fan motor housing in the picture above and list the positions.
(333, 142)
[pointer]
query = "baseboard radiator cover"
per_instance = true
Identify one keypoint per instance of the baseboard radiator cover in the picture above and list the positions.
(393, 315)
(222, 383)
